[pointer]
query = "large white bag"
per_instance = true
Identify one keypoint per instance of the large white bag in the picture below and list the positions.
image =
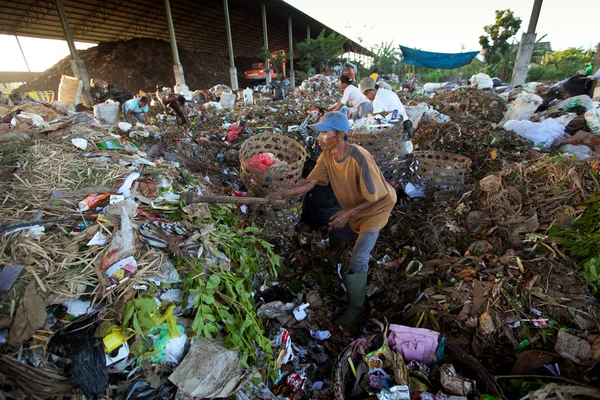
(592, 118)
(522, 108)
(540, 133)
(69, 90)
(482, 81)
(108, 112)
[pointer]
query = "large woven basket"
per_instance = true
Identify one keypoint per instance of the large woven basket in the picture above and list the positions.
(286, 149)
(388, 147)
(342, 373)
(440, 170)
(262, 183)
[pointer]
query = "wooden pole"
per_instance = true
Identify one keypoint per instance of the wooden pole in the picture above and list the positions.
(192, 198)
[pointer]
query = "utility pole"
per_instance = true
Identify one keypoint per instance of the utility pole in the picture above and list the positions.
(526, 47)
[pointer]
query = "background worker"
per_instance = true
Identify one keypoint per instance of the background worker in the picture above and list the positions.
(384, 101)
(351, 71)
(365, 197)
(353, 98)
(375, 75)
(177, 104)
(136, 110)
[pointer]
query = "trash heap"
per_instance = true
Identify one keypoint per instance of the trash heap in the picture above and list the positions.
(134, 264)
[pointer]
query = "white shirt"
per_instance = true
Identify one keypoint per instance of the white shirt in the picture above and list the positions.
(388, 101)
(353, 96)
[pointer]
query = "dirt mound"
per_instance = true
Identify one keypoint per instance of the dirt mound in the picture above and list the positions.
(139, 64)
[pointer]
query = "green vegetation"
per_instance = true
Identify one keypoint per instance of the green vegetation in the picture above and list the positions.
(322, 53)
(219, 288)
(561, 64)
(582, 241)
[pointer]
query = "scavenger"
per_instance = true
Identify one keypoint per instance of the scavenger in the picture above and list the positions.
(136, 110)
(177, 104)
(384, 101)
(366, 199)
(353, 98)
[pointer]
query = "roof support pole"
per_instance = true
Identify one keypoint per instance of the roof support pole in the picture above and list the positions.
(232, 69)
(267, 66)
(526, 47)
(22, 53)
(291, 55)
(77, 64)
(308, 32)
(177, 67)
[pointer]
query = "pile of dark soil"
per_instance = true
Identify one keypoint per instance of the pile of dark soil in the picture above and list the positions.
(141, 64)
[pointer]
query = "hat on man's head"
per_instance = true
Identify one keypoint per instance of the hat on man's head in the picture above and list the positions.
(367, 84)
(334, 120)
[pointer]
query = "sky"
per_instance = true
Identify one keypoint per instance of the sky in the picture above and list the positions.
(446, 26)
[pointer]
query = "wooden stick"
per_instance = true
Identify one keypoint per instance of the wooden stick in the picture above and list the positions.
(191, 198)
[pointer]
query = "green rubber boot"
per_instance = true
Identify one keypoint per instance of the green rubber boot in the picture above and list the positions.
(356, 287)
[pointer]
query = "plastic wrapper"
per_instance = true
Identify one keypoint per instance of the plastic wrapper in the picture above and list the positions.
(118, 262)
(395, 393)
(454, 384)
(210, 371)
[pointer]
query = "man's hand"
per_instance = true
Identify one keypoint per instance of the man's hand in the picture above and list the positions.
(279, 195)
(340, 218)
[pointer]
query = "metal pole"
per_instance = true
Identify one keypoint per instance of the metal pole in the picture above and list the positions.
(177, 67)
(22, 53)
(291, 55)
(308, 32)
(267, 66)
(535, 15)
(232, 69)
(62, 15)
(77, 64)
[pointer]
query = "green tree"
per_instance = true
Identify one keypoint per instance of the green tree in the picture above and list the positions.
(495, 44)
(322, 53)
(385, 57)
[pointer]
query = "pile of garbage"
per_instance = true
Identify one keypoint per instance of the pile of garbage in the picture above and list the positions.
(134, 255)
(152, 65)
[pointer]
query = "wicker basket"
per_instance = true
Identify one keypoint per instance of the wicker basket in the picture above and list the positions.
(41, 383)
(439, 169)
(388, 148)
(286, 149)
(342, 373)
(261, 183)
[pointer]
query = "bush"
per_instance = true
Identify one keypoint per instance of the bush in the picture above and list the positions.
(544, 73)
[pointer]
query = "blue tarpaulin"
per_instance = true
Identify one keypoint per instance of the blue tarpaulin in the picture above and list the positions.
(427, 59)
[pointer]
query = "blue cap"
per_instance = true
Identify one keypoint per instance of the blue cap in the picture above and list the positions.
(334, 120)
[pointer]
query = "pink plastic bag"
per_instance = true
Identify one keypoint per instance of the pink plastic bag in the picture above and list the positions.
(414, 343)
(261, 162)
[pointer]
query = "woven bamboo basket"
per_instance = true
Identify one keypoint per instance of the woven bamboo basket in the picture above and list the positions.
(40, 383)
(286, 149)
(467, 365)
(261, 183)
(389, 149)
(439, 169)
(342, 373)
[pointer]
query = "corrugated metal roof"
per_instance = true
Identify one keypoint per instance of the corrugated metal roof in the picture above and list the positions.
(199, 24)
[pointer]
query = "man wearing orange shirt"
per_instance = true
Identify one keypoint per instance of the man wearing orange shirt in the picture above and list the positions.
(366, 199)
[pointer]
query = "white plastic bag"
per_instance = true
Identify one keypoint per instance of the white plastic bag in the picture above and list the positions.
(592, 118)
(582, 100)
(248, 96)
(482, 81)
(580, 152)
(522, 108)
(540, 133)
(107, 112)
